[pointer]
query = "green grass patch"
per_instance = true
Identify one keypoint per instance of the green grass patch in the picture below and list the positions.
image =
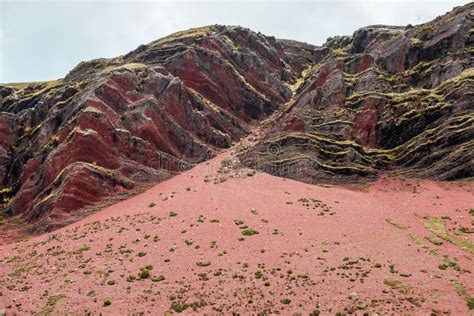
(434, 240)
(438, 228)
(461, 290)
(51, 305)
(395, 224)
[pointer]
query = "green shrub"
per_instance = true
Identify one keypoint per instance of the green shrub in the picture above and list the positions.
(249, 232)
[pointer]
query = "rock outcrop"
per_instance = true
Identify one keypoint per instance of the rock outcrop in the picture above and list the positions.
(397, 99)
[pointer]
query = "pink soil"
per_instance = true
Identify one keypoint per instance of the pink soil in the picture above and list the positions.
(309, 259)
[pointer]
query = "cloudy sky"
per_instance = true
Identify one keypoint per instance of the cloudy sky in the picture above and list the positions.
(43, 40)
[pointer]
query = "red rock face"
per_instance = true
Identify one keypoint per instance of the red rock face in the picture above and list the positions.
(294, 125)
(112, 126)
(364, 130)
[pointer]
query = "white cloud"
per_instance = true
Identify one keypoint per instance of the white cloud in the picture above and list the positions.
(44, 39)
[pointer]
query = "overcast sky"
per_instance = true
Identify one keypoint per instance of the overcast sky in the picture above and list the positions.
(43, 40)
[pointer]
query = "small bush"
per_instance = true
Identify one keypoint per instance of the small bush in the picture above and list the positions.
(249, 232)
(144, 273)
(203, 263)
(158, 278)
(179, 307)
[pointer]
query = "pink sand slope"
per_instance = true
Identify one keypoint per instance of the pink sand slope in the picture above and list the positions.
(254, 244)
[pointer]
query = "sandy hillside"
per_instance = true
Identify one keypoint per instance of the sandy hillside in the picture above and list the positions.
(213, 240)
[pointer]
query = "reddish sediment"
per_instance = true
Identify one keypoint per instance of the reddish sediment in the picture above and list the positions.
(332, 249)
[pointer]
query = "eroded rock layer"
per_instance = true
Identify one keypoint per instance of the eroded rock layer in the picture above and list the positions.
(396, 99)
(112, 125)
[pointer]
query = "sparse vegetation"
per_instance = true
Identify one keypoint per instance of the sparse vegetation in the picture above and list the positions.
(48, 309)
(158, 278)
(461, 290)
(438, 228)
(144, 273)
(249, 232)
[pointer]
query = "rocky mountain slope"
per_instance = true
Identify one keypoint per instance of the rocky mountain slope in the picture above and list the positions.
(112, 125)
(395, 99)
